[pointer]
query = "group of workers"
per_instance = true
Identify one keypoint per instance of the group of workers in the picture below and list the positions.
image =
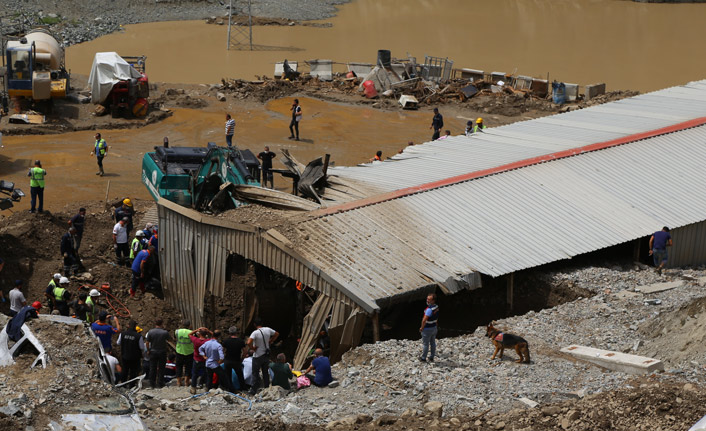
(201, 358)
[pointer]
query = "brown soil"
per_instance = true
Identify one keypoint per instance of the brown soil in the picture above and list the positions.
(30, 245)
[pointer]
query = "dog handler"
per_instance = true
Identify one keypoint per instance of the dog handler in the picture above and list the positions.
(428, 328)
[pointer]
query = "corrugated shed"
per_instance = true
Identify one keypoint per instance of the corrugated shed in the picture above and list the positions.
(497, 146)
(193, 256)
(518, 219)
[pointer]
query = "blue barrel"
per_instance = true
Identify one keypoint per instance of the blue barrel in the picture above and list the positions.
(558, 93)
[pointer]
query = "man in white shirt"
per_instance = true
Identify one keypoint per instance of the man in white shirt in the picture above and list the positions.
(122, 249)
(114, 366)
(260, 341)
(17, 299)
(230, 130)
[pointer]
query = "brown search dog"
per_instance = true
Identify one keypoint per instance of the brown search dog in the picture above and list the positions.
(501, 340)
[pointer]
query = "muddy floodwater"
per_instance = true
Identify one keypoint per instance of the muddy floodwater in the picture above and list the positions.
(351, 134)
(628, 45)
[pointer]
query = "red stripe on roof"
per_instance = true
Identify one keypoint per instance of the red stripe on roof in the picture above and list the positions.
(507, 167)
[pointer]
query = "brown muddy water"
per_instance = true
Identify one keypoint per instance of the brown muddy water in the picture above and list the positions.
(625, 44)
(351, 134)
(628, 45)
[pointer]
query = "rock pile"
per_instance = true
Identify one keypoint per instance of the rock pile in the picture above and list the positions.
(82, 20)
(384, 383)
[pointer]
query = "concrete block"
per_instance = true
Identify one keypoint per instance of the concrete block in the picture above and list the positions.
(572, 91)
(615, 361)
(322, 69)
(594, 90)
(702, 281)
(658, 287)
(360, 69)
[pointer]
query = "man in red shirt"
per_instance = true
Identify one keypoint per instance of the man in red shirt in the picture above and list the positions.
(198, 338)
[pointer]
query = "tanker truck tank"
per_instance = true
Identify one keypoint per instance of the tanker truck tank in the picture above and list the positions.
(35, 67)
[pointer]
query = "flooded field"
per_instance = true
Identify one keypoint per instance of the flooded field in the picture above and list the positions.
(350, 134)
(628, 45)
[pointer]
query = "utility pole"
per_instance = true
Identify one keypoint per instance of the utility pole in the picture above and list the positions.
(238, 36)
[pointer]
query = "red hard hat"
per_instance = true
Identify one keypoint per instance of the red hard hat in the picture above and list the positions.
(37, 305)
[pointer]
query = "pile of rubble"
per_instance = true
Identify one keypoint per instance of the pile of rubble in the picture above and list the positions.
(70, 384)
(481, 96)
(384, 384)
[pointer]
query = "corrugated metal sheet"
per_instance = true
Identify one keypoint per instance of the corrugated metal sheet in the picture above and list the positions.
(518, 219)
(497, 146)
(194, 248)
(689, 245)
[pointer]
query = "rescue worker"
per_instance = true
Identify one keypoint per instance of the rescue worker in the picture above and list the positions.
(36, 186)
(100, 149)
(80, 307)
(437, 123)
(137, 245)
(120, 236)
(138, 270)
(377, 157)
(125, 210)
(152, 266)
(148, 231)
(49, 292)
(92, 303)
(68, 252)
(62, 296)
(185, 353)
(132, 350)
(479, 127)
(469, 128)
(78, 221)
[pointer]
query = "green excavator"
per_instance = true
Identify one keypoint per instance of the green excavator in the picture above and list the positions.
(212, 179)
(199, 177)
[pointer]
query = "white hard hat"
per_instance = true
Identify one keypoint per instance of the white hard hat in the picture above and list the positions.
(63, 280)
(140, 233)
(94, 292)
(57, 276)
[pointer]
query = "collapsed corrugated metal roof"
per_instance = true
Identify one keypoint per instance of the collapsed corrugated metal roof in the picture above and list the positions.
(521, 217)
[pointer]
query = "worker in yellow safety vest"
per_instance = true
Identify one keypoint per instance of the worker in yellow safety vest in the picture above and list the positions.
(62, 296)
(49, 293)
(100, 149)
(138, 244)
(36, 185)
(185, 353)
(479, 127)
(91, 301)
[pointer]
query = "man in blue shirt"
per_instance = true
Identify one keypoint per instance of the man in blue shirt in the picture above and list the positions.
(104, 331)
(212, 352)
(429, 329)
(659, 241)
(322, 369)
(138, 270)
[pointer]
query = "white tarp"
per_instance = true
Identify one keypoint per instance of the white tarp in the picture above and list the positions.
(108, 68)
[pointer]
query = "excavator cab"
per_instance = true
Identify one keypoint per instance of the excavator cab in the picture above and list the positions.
(20, 66)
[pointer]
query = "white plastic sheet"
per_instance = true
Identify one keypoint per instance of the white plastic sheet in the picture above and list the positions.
(108, 68)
